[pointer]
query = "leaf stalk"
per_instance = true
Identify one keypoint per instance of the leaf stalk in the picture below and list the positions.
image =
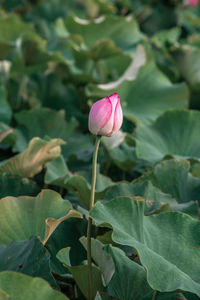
(92, 200)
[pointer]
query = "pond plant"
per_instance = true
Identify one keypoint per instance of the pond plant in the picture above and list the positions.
(99, 150)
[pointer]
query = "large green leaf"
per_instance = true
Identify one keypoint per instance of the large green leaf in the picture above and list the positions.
(80, 274)
(153, 23)
(28, 257)
(11, 29)
(189, 296)
(34, 158)
(73, 150)
(164, 242)
(14, 185)
(78, 183)
(52, 223)
(49, 88)
(140, 104)
(106, 28)
(129, 281)
(104, 49)
(101, 258)
(50, 11)
(67, 235)
(122, 276)
(19, 287)
(162, 37)
(173, 177)
(22, 217)
(44, 122)
(58, 174)
(48, 122)
(187, 60)
(26, 64)
(5, 296)
(119, 151)
(155, 199)
(174, 133)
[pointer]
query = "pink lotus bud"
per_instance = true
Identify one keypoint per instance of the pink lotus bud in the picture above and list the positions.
(191, 2)
(105, 117)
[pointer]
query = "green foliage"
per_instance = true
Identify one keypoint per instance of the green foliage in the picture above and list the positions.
(156, 240)
(173, 134)
(106, 28)
(80, 273)
(147, 96)
(28, 257)
(19, 286)
(129, 280)
(32, 160)
(14, 185)
(58, 174)
(28, 217)
(56, 58)
(173, 177)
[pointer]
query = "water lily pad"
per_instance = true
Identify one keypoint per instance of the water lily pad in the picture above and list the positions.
(27, 257)
(44, 122)
(155, 199)
(187, 60)
(34, 158)
(22, 217)
(173, 177)
(14, 185)
(19, 287)
(174, 133)
(11, 29)
(107, 27)
(152, 236)
(129, 281)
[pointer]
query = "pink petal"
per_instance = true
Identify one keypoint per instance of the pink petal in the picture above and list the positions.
(118, 119)
(99, 115)
(108, 127)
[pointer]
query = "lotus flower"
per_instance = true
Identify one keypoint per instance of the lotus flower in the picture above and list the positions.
(105, 117)
(191, 2)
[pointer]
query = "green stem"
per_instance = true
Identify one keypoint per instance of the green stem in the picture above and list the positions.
(89, 259)
(155, 294)
(92, 196)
